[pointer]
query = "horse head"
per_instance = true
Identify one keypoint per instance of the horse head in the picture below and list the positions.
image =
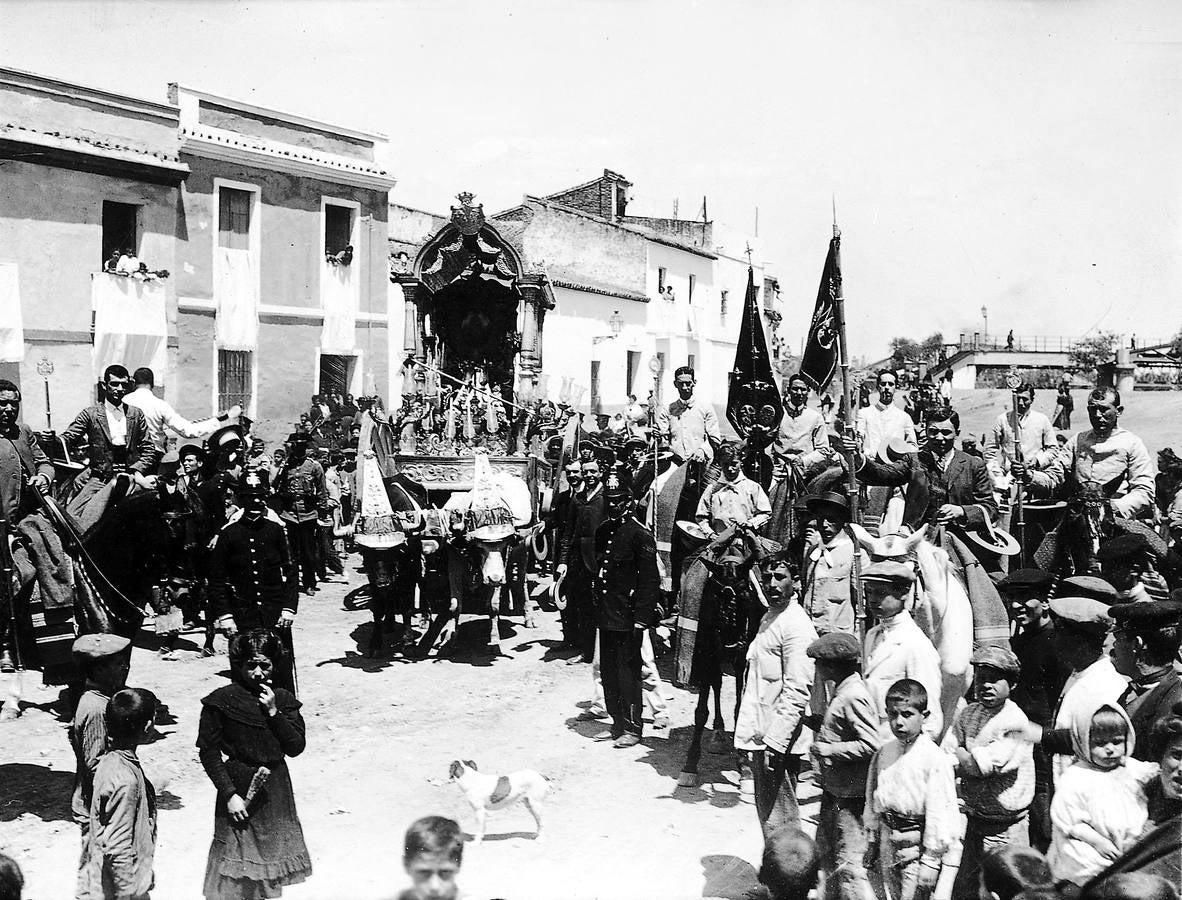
(898, 546)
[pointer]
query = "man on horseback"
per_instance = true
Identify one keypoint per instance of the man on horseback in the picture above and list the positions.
(24, 470)
(691, 427)
(1105, 455)
(118, 438)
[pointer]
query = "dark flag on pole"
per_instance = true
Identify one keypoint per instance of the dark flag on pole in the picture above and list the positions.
(753, 401)
(820, 360)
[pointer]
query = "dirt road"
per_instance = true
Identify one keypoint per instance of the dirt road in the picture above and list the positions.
(617, 825)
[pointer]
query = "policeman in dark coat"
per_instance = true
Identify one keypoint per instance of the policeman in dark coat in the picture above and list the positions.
(626, 592)
(252, 582)
(1145, 648)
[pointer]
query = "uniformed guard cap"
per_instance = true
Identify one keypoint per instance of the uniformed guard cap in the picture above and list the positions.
(191, 450)
(253, 483)
(889, 571)
(1146, 616)
(93, 647)
(836, 646)
(618, 483)
(1088, 586)
(1027, 579)
(1081, 613)
(1000, 658)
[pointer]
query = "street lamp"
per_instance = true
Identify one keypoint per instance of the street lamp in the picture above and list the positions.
(616, 324)
(985, 316)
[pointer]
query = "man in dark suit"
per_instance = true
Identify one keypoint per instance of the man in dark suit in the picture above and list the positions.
(1145, 647)
(24, 470)
(576, 559)
(945, 486)
(118, 437)
(23, 464)
(626, 590)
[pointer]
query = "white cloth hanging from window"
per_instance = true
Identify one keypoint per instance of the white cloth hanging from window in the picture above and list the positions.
(339, 301)
(130, 325)
(235, 288)
(12, 332)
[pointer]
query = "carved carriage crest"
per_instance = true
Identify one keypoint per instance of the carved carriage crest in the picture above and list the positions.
(468, 217)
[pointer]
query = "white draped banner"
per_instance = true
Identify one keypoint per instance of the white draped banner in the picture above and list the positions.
(12, 332)
(339, 300)
(236, 292)
(130, 325)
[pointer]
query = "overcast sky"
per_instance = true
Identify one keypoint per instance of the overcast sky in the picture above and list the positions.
(1019, 155)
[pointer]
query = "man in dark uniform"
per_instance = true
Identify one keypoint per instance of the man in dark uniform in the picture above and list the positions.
(1040, 679)
(303, 495)
(252, 582)
(576, 559)
(1145, 648)
(626, 588)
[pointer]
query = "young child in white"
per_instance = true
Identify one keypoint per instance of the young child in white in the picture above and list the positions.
(1100, 806)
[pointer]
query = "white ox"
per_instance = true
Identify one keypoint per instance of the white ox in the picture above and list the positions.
(492, 521)
(941, 607)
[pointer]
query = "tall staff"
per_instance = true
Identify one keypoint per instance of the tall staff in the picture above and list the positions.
(825, 351)
(1014, 382)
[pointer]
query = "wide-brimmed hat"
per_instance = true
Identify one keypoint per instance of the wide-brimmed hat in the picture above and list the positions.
(995, 540)
(832, 498)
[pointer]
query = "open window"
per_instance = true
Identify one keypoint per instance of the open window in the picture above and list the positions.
(234, 218)
(338, 234)
(120, 229)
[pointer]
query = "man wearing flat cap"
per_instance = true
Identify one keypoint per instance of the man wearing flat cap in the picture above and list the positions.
(895, 648)
(1146, 646)
(104, 661)
(1092, 587)
(1127, 562)
(1081, 626)
(829, 563)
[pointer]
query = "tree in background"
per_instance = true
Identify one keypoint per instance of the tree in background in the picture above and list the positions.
(1089, 352)
(927, 350)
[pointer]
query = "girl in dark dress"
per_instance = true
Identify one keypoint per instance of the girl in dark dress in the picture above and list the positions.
(256, 849)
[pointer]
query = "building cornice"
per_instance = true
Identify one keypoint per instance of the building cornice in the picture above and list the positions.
(55, 87)
(273, 311)
(212, 143)
(85, 155)
(591, 289)
(278, 116)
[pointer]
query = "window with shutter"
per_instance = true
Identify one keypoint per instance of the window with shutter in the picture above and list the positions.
(234, 381)
(234, 218)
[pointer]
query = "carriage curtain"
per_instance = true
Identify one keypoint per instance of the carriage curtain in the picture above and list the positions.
(12, 332)
(236, 326)
(130, 326)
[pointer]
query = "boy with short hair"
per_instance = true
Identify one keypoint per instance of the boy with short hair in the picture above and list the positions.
(734, 499)
(847, 738)
(123, 806)
(104, 660)
(911, 816)
(996, 769)
(433, 852)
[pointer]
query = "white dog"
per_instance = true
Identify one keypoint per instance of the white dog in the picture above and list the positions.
(489, 793)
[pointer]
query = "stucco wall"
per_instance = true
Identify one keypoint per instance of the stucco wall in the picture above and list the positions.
(87, 113)
(193, 394)
(291, 226)
(272, 129)
(51, 226)
(581, 250)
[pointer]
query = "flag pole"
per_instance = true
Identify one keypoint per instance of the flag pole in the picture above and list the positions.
(843, 352)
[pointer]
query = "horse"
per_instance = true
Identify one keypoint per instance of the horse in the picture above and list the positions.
(718, 589)
(954, 618)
